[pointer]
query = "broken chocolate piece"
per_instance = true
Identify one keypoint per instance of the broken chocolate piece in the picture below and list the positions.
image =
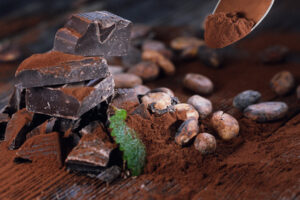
(4, 119)
(90, 128)
(46, 127)
(92, 153)
(17, 128)
(110, 174)
(98, 33)
(54, 68)
(41, 147)
(14, 101)
(69, 102)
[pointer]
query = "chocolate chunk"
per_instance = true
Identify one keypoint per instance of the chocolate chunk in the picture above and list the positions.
(61, 124)
(110, 174)
(41, 148)
(54, 68)
(69, 102)
(98, 33)
(98, 113)
(17, 128)
(90, 128)
(46, 127)
(4, 119)
(92, 153)
(15, 101)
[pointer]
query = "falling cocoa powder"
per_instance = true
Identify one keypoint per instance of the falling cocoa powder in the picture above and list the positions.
(223, 29)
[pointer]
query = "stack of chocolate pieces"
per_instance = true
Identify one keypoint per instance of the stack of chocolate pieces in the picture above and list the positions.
(64, 93)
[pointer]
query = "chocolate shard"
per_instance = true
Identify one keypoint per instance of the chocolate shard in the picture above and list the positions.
(54, 68)
(92, 154)
(44, 147)
(110, 174)
(46, 127)
(4, 119)
(17, 128)
(68, 102)
(98, 113)
(14, 101)
(98, 33)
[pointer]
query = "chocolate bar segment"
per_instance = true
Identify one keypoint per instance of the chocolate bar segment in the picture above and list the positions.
(4, 119)
(54, 68)
(92, 153)
(98, 33)
(17, 128)
(44, 147)
(46, 127)
(68, 102)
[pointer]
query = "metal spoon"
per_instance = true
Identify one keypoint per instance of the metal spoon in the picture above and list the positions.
(256, 10)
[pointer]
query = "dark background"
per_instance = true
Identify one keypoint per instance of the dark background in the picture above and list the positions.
(31, 24)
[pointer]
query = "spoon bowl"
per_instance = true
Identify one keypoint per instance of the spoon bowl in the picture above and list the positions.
(255, 10)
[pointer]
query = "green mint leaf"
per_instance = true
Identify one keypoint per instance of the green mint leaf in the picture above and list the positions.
(134, 151)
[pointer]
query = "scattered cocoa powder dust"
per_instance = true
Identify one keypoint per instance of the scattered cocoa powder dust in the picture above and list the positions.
(78, 92)
(50, 58)
(261, 163)
(223, 29)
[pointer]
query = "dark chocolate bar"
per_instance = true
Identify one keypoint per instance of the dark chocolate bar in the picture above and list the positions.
(54, 68)
(68, 102)
(110, 174)
(46, 127)
(17, 128)
(98, 33)
(4, 119)
(92, 153)
(41, 148)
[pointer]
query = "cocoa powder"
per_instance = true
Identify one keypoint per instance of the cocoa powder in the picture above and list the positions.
(223, 29)
(78, 92)
(50, 58)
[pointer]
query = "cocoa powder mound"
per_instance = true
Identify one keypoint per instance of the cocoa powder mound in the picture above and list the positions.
(223, 29)
(50, 58)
